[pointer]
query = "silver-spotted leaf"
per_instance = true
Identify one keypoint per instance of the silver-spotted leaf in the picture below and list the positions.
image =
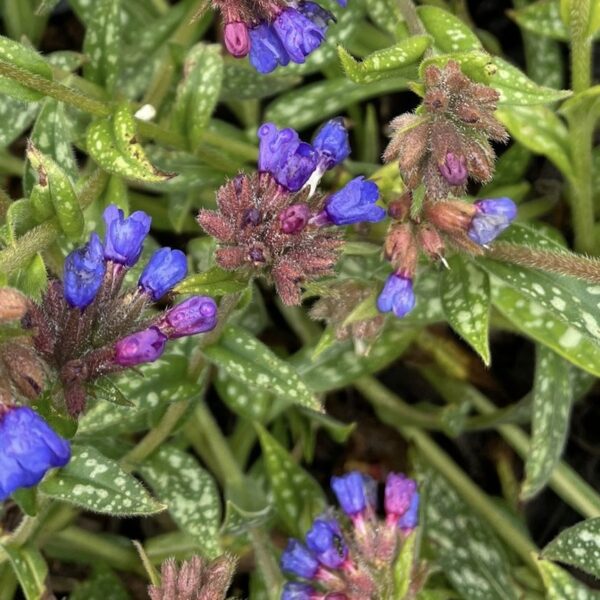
(449, 33)
(31, 570)
(560, 585)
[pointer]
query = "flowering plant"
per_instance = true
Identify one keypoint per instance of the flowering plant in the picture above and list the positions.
(299, 300)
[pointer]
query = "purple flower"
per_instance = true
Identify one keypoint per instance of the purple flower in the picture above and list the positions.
(354, 203)
(297, 560)
(194, 315)
(399, 492)
(125, 237)
(353, 492)
(266, 49)
(316, 13)
(83, 273)
(294, 218)
(326, 541)
(165, 269)
(331, 143)
(300, 36)
(493, 216)
(141, 347)
(282, 154)
(28, 449)
(410, 519)
(454, 169)
(298, 591)
(397, 295)
(237, 39)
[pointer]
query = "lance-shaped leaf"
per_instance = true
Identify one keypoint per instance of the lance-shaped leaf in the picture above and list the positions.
(102, 43)
(31, 279)
(31, 570)
(298, 497)
(560, 585)
(214, 282)
(61, 192)
(97, 483)
(465, 291)
(198, 92)
(383, 64)
(245, 83)
(542, 18)
(247, 359)
(449, 33)
(190, 494)
(112, 143)
(25, 59)
(15, 117)
(552, 400)
(578, 546)
(386, 14)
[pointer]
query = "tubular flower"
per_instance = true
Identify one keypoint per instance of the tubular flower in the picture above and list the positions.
(29, 448)
(491, 218)
(273, 32)
(397, 295)
(83, 273)
(125, 236)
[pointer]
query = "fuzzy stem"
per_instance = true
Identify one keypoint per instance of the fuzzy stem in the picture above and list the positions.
(409, 12)
(562, 263)
(581, 45)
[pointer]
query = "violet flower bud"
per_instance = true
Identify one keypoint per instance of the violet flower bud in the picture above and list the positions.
(29, 447)
(194, 315)
(397, 295)
(493, 216)
(141, 347)
(237, 39)
(454, 169)
(399, 492)
(294, 218)
(353, 492)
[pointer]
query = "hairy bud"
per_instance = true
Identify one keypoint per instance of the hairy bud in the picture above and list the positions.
(13, 305)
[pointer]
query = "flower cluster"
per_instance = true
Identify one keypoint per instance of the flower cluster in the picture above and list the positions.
(273, 32)
(438, 149)
(87, 326)
(352, 559)
(273, 223)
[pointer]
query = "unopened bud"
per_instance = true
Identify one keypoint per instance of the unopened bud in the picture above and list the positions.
(13, 305)
(453, 217)
(294, 218)
(237, 39)
(401, 249)
(400, 209)
(454, 169)
(24, 369)
(430, 241)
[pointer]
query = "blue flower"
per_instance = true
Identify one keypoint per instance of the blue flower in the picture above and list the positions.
(297, 560)
(165, 269)
(353, 492)
(316, 13)
(399, 493)
(28, 449)
(125, 237)
(300, 36)
(331, 143)
(282, 154)
(354, 203)
(194, 315)
(298, 591)
(493, 216)
(141, 347)
(397, 295)
(326, 541)
(410, 519)
(83, 273)
(266, 49)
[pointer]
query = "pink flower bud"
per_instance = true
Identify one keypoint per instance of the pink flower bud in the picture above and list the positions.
(294, 218)
(454, 169)
(237, 39)
(141, 347)
(195, 315)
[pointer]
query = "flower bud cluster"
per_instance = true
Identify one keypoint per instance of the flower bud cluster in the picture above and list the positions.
(273, 32)
(272, 223)
(352, 558)
(87, 326)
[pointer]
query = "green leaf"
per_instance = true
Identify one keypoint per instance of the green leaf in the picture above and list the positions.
(214, 282)
(540, 130)
(31, 570)
(103, 585)
(339, 365)
(298, 497)
(385, 14)
(98, 484)
(562, 586)
(50, 135)
(26, 59)
(315, 102)
(62, 194)
(102, 43)
(254, 405)
(112, 143)
(32, 280)
(190, 494)
(243, 82)
(578, 546)
(246, 506)
(15, 117)
(552, 401)
(198, 91)
(470, 554)
(465, 292)
(403, 567)
(247, 359)
(449, 33)
(542, 18)
(387, 63)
